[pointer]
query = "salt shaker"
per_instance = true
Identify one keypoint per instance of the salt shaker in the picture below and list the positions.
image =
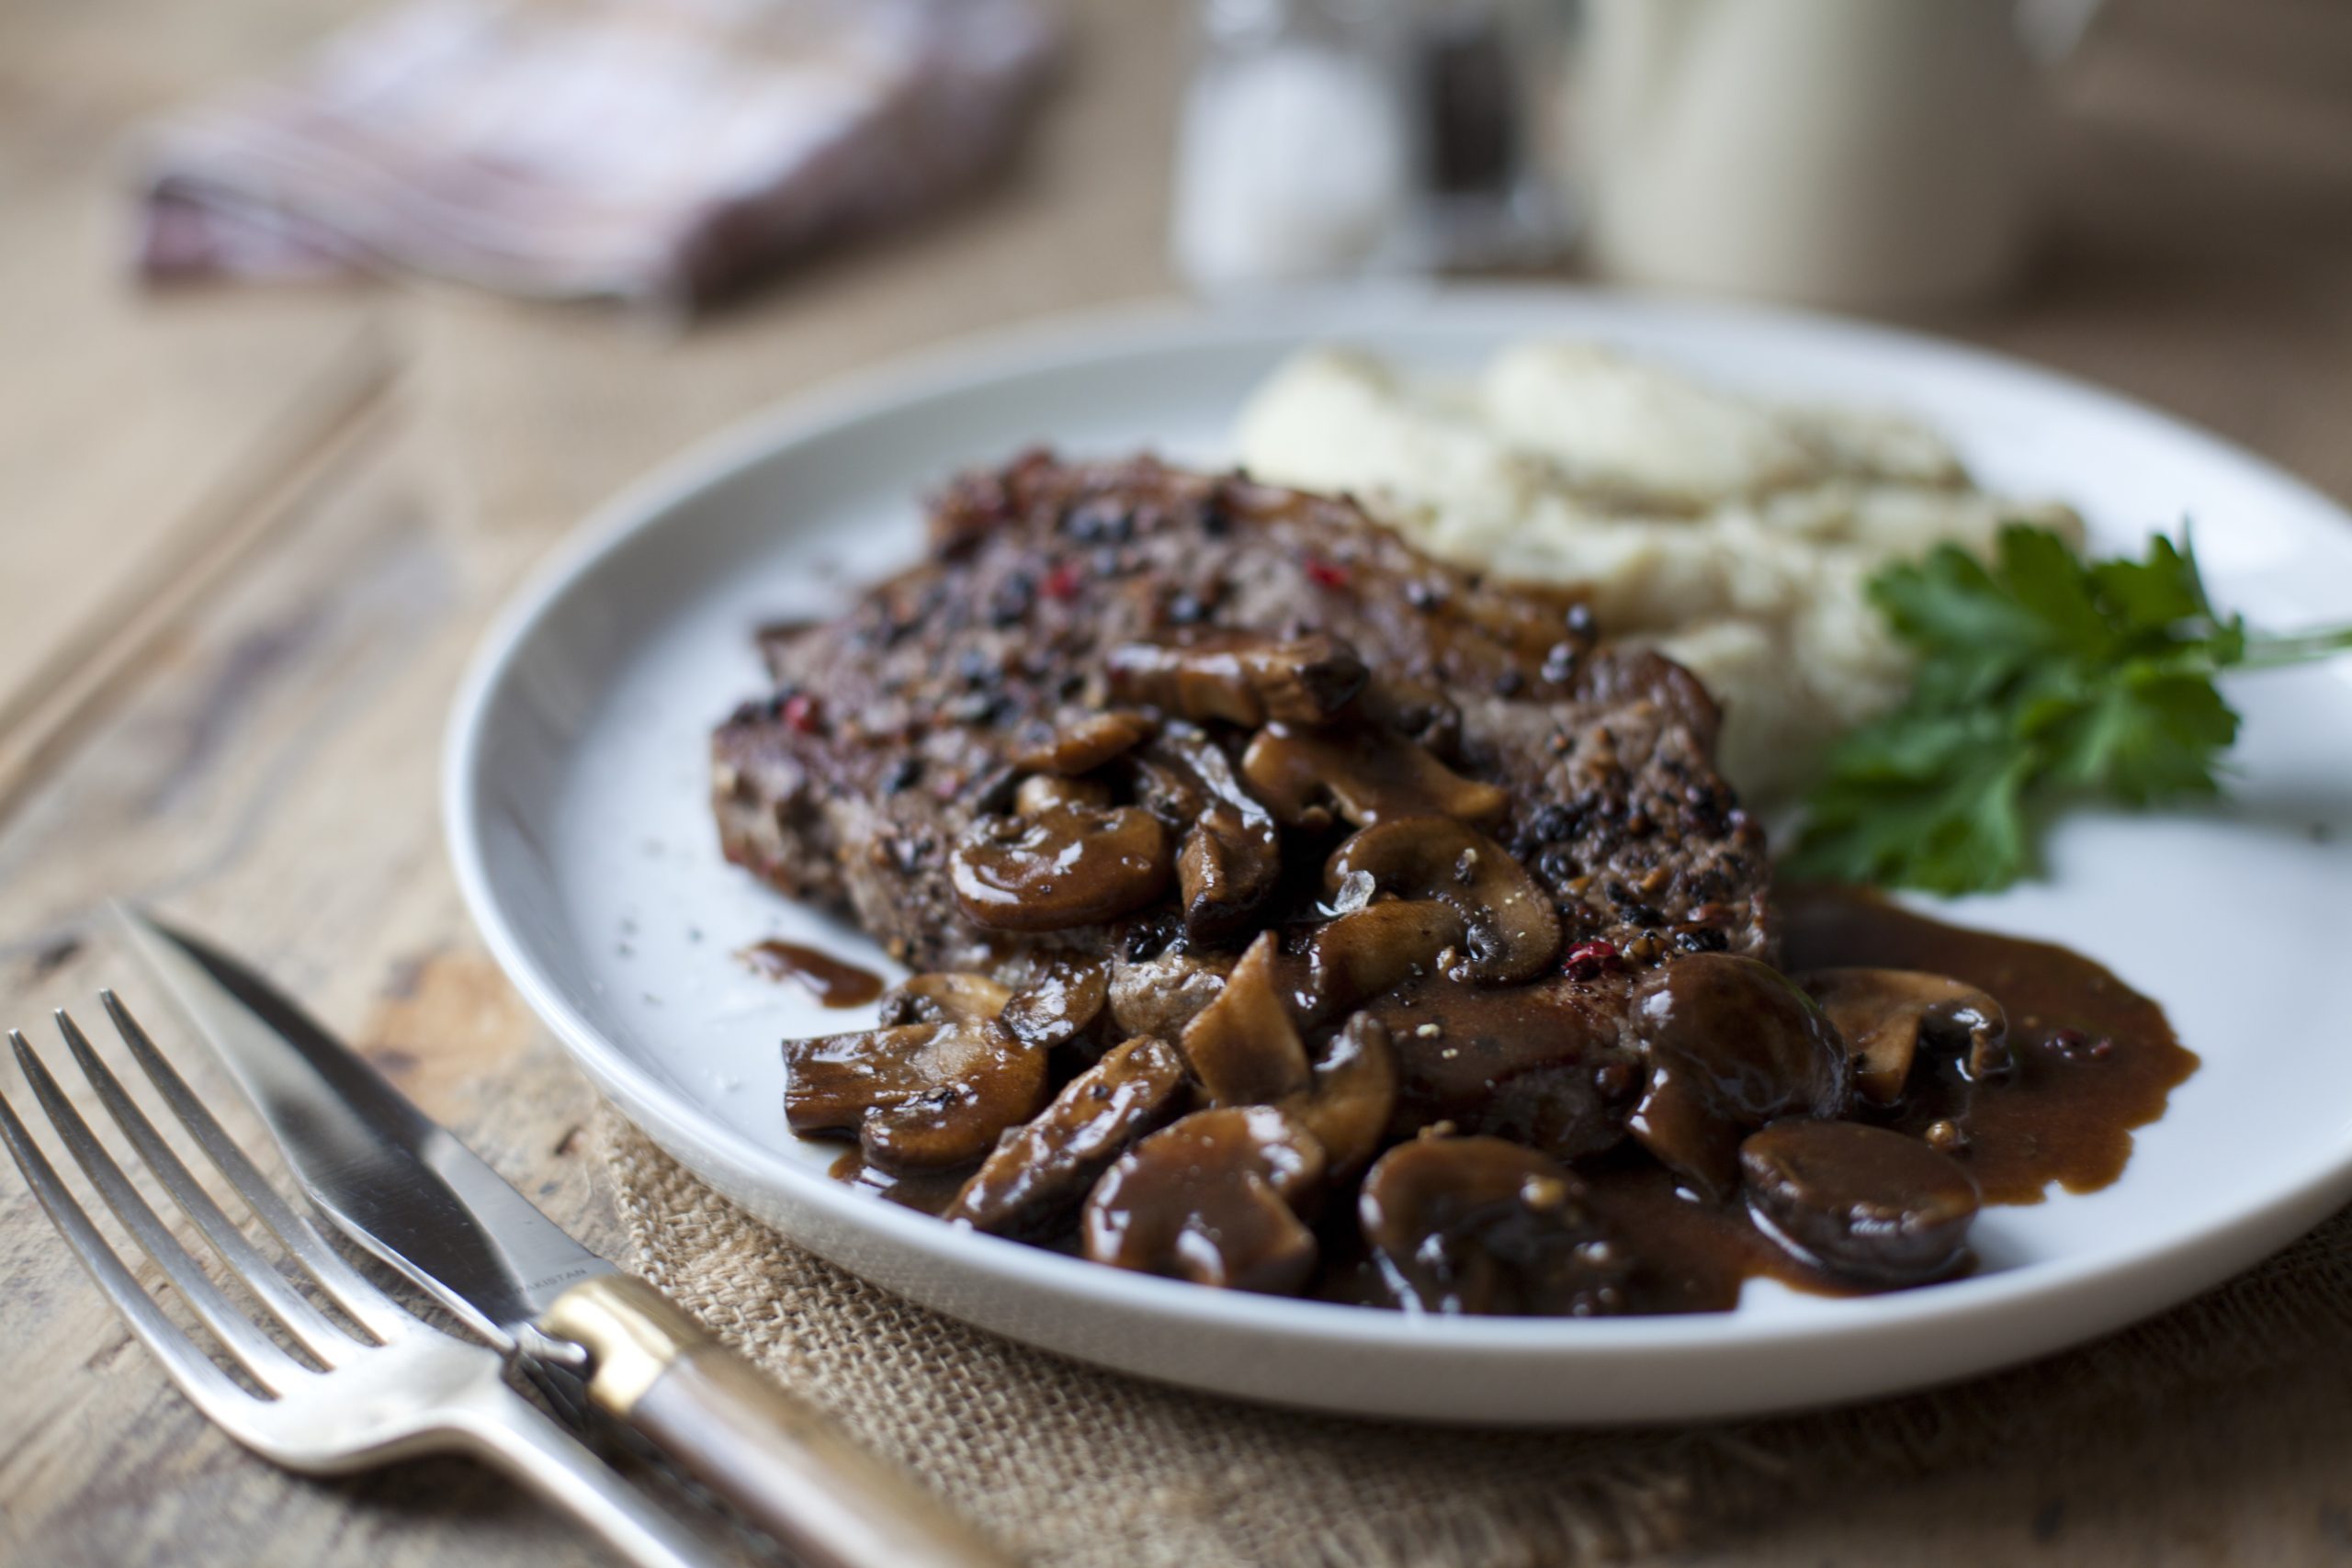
(1297, 158)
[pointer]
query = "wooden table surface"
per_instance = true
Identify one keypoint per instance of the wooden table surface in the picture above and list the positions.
(250, 536)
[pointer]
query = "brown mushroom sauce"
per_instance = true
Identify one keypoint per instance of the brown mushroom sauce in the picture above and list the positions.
(1380, 1068)
(833, 983)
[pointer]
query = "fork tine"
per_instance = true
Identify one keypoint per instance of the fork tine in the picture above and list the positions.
(318, 1333)
(257, 1351)
(212, 1390)
(351, 1290)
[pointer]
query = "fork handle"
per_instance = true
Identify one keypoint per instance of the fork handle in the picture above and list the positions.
(774, 1456)
(523, 1440)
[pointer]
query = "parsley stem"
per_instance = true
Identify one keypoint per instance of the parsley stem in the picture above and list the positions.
(2271, 653)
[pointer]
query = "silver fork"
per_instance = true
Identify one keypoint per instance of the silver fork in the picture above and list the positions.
(414, 1390)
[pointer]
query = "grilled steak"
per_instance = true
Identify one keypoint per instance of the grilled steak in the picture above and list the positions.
(1130, 713)
(891, 729)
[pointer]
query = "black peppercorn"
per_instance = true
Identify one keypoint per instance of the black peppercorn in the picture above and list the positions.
(1010, 604)
(1100, 521)
(1551, 823)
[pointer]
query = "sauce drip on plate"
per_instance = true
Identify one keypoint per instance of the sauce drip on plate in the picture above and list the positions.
(833, 983)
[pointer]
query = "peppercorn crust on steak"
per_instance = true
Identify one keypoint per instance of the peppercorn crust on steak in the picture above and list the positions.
(1056, 594)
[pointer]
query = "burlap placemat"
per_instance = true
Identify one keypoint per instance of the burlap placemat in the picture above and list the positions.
(1076, 1468)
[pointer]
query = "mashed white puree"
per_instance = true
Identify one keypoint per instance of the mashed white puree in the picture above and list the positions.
(1735, 535)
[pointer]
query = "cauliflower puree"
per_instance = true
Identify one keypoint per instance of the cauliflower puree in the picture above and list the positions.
(1733, 534)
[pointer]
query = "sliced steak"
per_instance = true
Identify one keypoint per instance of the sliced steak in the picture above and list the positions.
(925, 704)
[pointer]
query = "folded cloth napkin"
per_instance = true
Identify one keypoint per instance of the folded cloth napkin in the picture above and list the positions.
(643, 149)
(1075, 1468)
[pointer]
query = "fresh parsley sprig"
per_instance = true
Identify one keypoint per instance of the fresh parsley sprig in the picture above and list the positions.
(2043, 679)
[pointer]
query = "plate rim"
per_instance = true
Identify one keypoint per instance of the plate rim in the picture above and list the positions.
(2179, 1266)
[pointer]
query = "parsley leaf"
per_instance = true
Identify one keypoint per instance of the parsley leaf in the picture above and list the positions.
(2043, 679)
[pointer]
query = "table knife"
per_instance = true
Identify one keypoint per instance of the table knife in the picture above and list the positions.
(403, 1187)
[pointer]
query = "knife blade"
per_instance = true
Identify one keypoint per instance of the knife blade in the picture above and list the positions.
(403, 1187)
(391, 1178)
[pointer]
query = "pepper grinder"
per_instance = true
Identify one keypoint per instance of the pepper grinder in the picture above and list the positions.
(1488, 75)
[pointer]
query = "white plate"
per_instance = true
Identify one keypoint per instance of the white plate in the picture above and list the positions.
(575, 797)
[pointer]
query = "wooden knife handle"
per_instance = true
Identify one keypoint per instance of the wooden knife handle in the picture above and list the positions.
(774, 1456)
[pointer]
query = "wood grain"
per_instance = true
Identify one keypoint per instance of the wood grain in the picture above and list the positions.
(118, 620)
(151, 423)
(211, 792)
(249, 613)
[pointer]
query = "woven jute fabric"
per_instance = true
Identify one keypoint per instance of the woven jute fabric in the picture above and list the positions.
(1076, 1468)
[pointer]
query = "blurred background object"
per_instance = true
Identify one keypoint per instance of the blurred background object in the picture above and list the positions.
(1331, 139)
(1487, 78)
(1294, 160)
(1844, 153)
(644, 150)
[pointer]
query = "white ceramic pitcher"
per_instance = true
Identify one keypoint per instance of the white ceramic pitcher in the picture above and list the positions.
(1867, 153)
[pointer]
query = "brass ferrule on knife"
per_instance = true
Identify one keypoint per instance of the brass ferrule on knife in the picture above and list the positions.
(632, 1333)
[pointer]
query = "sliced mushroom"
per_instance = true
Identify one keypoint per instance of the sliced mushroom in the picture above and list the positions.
(1226, 872)
(1478, 1226)
(1061, 1006)
(943, 997)
(1041, 793)
(1084, 741)
(1229, 861)
(833, 1082)
(1732, 1044)
(1071, 865)
(1865, 1204)
(1543, 1064)
(1353, 1098)
(1241, 678)
(1416, 709)
(1244, 1047)
(1214, 1199)
(1368, 775)
(1358, 954)
(931, 1090)
(1884, 1015)
(1513, 929)
(1033, 1181)
(1168, 776)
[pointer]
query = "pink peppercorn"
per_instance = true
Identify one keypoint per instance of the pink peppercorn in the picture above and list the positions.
(1589, 960)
